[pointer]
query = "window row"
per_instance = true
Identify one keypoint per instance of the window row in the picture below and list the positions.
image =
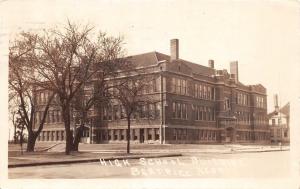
(227, 104)
(278, 121)
(260, 102)
(53, 116)
(242, 99)
(262, 136)
(260, 120)
(204, 92)
(204, 113)
(182, 134)
(243, 117)
(43, 97)
(121, 134)
(243, 135)
(52, 136)
(148, 87)
(116, 112)
(179, 110)
(179, 86)
(279, 132)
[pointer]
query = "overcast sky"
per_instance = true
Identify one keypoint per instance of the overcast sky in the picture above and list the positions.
(262, 36)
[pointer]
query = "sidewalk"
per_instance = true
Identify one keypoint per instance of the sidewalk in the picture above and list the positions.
(51, 153)
(184, 148)
(50, 158)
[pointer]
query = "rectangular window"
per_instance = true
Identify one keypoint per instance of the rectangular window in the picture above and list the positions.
(135, 134)
(140, 111)
(174, 109)
(173, 85)
(37, 117)
(149, 134)
(37, 98)
(57, 135)
(200, 91)
(157, 109)
(122, 112)
(109, 113)
(105, 113)
(178, 87)
(59, 116)
(174, 134)
(184, 113)
(46, 97)
(196, 91)
(156, 134)
(204, 92)
(273, 122)
(196, 112)
(204, 113)
(178, 109)
(42, 97)
(201, 113)
(116, 112)
(115, 134)
(54, 116)
(209, 114)
(154, 88)
(279, 121)
(209, 93)
(109, 136)
(151, 111)
(123, 131)
(183, 91)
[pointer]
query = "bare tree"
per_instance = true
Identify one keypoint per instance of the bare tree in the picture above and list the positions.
(21, 91)
(20, 126)
(129, 93)
(66, 60)
(12, 106)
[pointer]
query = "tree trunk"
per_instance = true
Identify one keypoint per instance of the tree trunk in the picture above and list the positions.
(21, 140)
(128, 135)
(15, 134)
(31, 142)
(67, 122)
(77, 138)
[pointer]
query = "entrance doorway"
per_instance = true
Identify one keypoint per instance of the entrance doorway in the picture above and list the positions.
(229, 135)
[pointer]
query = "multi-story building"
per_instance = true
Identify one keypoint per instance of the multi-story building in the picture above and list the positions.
(279, 121)
(193, 104)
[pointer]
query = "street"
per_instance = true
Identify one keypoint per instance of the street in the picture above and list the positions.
(192, 165)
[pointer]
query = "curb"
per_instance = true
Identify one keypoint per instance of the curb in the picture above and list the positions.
(262, 151)
(89, 160)
(244, 152)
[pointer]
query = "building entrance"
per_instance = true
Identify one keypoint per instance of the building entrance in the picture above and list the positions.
(229, 137)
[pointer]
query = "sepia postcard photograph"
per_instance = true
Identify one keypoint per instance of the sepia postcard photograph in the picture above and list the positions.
(150, 94)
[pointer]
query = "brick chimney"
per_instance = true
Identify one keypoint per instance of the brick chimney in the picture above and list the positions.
(276, 103)
(211, 64)
(174, 47)
(234, 69)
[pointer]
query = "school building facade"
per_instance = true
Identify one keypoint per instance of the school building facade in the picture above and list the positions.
(193, 104)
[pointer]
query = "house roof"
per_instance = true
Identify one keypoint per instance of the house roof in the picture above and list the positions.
(284, 110)
(152, 58)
